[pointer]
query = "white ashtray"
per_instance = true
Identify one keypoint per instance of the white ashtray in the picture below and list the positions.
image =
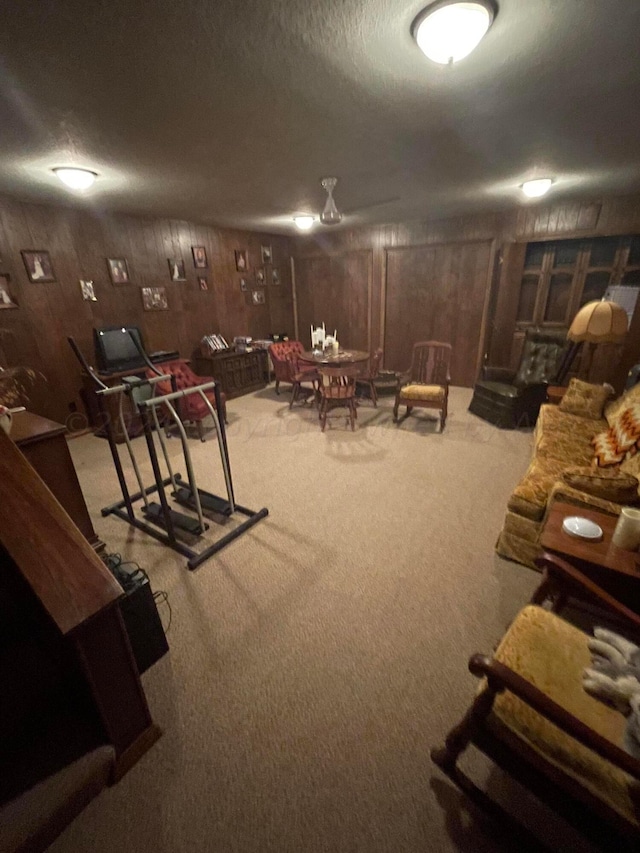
(574, 525)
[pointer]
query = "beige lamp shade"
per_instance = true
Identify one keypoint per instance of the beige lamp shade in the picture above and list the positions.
(599, 323)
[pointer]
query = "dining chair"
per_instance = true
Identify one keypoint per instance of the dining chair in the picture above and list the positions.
(300, 373)
(283, 366)
(426, 383)
(371, 372)
(338, 390)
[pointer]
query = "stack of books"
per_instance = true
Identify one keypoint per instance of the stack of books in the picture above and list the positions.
(214, 343)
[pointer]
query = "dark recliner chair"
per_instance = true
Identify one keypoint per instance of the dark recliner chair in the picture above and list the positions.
(511, 399)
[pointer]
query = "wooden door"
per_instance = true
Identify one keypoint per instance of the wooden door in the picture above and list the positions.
(438, 293)
(336, 290)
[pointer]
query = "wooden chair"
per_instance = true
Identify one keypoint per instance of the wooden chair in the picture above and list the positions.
(426, 383)
(372, 372)
(338, 390)
(301, 373)
(533, 718)
(283, 366)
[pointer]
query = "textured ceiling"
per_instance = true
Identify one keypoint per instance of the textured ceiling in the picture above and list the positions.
(230, 111)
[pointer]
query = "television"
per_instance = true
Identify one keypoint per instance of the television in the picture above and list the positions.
(115, 349)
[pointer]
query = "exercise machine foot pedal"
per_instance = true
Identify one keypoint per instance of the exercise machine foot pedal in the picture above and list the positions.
(183, 522)
(207, 501)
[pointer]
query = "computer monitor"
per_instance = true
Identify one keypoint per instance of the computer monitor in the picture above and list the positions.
(115, 349)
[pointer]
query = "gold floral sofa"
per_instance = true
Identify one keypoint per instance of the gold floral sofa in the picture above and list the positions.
(563, 467)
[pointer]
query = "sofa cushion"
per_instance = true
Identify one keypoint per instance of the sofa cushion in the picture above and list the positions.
(570, 449)
(613, 409)
(584, 399)
(553, 420)
(611, 484)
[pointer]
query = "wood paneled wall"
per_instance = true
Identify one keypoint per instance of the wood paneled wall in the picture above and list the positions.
(337, 292)
(402, 275)
(437, 293)
(79, 242)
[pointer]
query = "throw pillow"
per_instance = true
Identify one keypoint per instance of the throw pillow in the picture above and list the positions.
(612, 446)
(615, 408)
(610, 484)
(584, 399)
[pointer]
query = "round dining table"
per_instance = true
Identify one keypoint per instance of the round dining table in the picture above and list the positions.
(335, 359)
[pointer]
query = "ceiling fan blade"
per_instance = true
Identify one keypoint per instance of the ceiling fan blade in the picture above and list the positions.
(373, 204)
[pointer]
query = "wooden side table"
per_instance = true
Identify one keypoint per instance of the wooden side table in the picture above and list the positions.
(555, 393)
(237, 372)
(617, 571)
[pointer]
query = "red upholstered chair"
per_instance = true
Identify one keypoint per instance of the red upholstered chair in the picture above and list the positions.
(192, 408)
(284, 367)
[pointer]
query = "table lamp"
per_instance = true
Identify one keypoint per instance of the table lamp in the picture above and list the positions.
(599, 322)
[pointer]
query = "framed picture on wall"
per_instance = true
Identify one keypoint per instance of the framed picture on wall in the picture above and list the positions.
(154, 299)
(38, 265)
(242, 260)
(199, 257)
(6, 297)
(275, 277)
(176, 269)
(257, 297)
(118, 270)
(260, 278)
(244, 284)
(88, 293)
(203, 284)
(266, 254)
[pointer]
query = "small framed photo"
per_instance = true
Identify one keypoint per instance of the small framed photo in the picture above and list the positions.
(244, 284)
(275, 276)
(118, 270)
(38, 265)
(242, 260)
(154, 299)
(265, 253)
(199, 257)
(257, 297)
(6, 297)
(203, 284)
(176, 269)
(88, 293)
(260, 278)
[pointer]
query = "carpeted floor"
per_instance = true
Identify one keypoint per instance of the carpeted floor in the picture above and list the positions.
(316, 660)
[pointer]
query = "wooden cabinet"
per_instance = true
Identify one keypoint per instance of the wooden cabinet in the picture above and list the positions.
(237, 372)
(44, 445)
(69, 677)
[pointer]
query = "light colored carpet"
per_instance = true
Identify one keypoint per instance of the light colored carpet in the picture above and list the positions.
(316, 660)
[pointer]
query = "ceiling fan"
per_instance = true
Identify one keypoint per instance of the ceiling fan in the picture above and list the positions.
(331, 215)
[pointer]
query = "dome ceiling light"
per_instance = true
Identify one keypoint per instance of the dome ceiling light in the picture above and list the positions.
(448, 30)
(537, 188)
(304, 222)
(76, 179)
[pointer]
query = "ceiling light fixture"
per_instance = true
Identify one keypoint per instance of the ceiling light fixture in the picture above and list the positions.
(304, 223)
(448, 30)
(76, 179)
(536, 188)
(330, 214)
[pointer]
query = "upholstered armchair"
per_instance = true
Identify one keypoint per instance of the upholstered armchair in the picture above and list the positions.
(510, 399)
(532, 716)
(191, 408)
(285, 367)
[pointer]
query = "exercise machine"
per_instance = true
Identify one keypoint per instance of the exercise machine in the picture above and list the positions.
(159, 519)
